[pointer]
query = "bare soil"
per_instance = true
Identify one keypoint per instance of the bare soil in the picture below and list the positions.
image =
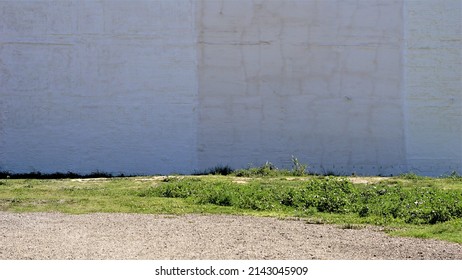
(135, 236)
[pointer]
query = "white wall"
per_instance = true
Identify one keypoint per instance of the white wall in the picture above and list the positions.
(320, 80)
(161, 86)
(97, 85)
(433, 92)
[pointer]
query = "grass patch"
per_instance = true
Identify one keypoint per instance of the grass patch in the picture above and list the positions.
(411, 206)
(448, 231)
(57, 175)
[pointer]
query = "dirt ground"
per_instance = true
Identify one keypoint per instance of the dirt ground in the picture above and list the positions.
(134, 236)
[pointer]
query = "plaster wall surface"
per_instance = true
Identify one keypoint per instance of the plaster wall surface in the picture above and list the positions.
(163, 86)
(97, 85)
(433, 91)
(320, 80)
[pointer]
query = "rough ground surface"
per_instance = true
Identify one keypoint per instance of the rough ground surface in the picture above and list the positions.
(135, 236)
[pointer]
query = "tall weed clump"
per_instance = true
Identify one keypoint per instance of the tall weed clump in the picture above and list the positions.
(270, 170)
(266, 170)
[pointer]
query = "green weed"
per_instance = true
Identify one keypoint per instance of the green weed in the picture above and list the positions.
(270, 170)
(411, 176)
(453, 176)
(217, 170)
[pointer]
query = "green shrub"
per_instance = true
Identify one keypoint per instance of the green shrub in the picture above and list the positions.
(217, 170)
(331, 195)
(386, 200)
(420, 205)
(219, 193)
(411, 176)
(177, 189)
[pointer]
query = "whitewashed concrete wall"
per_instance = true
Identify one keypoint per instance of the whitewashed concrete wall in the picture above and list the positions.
(97, 85)
(161, 86)
(433, 91)
(320, 80)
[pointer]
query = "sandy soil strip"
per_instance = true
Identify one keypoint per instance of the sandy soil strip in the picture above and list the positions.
(135, 236)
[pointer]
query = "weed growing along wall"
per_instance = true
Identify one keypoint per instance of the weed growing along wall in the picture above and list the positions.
(150, 86)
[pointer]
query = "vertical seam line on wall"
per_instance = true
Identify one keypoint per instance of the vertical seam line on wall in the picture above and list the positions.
(404, 86)
(197, 28)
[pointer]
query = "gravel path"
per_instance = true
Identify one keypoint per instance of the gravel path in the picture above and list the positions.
(135, 236)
